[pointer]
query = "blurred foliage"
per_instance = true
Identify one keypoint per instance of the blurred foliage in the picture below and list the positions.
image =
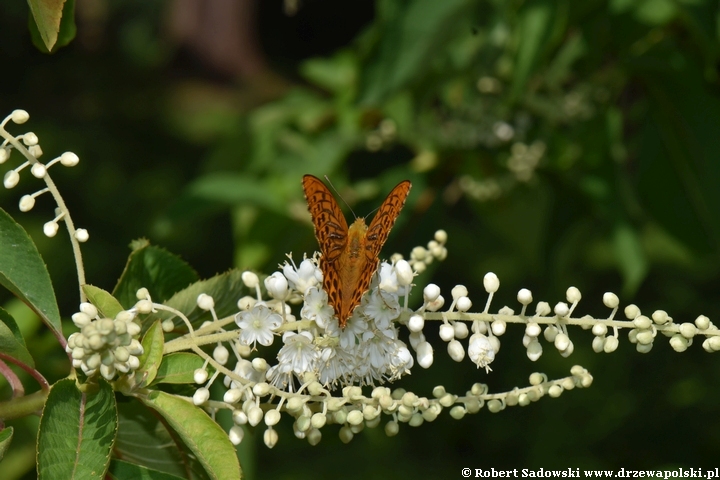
(559, 143)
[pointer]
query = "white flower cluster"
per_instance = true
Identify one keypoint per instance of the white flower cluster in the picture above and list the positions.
(28, 145)
(317, 356)
(366, 352)
(104, 345)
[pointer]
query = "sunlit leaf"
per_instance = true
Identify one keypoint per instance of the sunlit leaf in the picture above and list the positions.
(5, 439)
(77, 432)
(12, 342)
(23, 272)
(179, 368)
(224, 288)
(120, 470)
(51, 23)
(153, 343)
(107, 305)
(154, 268)
(144, 440)
(207, 441)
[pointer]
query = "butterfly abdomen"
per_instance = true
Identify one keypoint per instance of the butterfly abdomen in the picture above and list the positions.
(356, 239)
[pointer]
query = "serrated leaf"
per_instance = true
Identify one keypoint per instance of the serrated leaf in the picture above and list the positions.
(224, 288)
(108, 305)
(23, 272)
(154, 268)
(124, 470)
(12, 342)
(5, 439)
(144, 440)
(179, 368)
(51, 23)
(205, 439)
(153, 343)
(77, 432)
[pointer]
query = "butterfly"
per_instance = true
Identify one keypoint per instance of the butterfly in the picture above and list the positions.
(349, 255)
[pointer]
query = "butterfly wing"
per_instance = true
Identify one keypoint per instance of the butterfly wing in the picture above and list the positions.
(384, 220)
(331, 229)
(377, 234)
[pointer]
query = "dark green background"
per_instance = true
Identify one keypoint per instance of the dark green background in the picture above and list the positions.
(623, 94)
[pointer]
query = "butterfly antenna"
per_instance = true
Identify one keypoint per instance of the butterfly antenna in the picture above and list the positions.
(341, 197)
(373, 211)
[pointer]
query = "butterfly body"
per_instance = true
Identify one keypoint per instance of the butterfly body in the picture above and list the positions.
(350, 256)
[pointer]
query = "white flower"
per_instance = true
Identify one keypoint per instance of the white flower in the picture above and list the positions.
(401, 360)
(353, 331)
(279, 378)
(334, 366)
(388, 278)
(425, 354)
(382, 307)
(244, 369)
(379, 350)
(316, 307)
(257, 325)
(480, 351)
(299, 354)
(277, 286)
(301, 278)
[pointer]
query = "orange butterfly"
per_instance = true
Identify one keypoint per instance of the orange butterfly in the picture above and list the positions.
(349, 255)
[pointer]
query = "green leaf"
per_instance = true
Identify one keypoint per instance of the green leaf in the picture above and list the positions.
(656, 12)
(51, 23)
(179, 368)
(335, 74)
(23, 272)
(235, 189)
(108, 306)
(633, 263)
(522, 221)
(224, 289)
(5, 439)
(207, 441)
(123, 470)
(561, 68)
(154, 268)
(412, 42)
(12, 342)
(77, 431)
(144, 440)
(677, 171)
(535, 25)
(153, 343)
